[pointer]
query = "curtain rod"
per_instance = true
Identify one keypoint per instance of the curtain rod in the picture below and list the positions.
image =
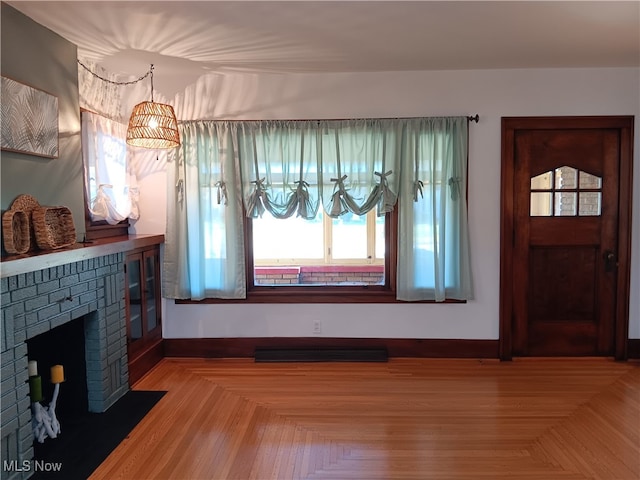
(470, 118)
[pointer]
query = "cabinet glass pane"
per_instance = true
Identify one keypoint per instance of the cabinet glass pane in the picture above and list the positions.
(135, 299)
(150, 292)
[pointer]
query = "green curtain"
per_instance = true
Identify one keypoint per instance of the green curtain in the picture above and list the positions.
(360, 165)
(280, 168)
(433, 247)
(289, 168)
(204, 244)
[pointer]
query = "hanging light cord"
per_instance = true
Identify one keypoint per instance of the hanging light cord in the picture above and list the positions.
(150, 72)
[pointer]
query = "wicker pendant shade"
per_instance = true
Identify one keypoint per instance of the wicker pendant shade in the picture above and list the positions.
(153, 125)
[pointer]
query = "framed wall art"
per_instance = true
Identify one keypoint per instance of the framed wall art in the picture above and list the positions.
(29, 120)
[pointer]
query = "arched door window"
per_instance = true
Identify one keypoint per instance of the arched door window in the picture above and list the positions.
(566, 191)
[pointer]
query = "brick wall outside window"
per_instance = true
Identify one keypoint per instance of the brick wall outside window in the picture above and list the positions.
(319, 275)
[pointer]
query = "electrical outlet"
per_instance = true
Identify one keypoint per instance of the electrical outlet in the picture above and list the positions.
(317, 327)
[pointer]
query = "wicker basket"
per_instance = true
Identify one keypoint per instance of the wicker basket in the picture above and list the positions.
(24, 202)
(16, 232)
(53, 227)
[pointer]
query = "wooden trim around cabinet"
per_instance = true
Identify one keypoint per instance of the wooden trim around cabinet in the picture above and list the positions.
(396, 347)
(633, 348)
(145, 361)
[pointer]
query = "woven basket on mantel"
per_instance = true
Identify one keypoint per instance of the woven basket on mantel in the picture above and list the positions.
(16, 232)
(16, 225)
(53, 227)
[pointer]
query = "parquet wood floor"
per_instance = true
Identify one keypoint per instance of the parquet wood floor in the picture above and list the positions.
(418, 419)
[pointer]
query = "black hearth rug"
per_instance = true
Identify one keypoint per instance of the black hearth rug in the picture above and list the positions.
(88, 439)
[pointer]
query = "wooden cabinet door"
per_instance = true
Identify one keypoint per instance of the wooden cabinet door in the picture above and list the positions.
(144, 320)
(134, 301)
(152, 313)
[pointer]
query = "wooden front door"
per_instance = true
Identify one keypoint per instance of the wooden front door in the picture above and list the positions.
(565, 236)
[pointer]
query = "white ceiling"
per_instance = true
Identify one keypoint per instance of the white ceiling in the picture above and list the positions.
(185, 40)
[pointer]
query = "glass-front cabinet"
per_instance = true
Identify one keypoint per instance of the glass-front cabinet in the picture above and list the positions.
(144, 313)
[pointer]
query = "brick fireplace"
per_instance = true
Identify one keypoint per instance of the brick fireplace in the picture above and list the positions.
(35, 301)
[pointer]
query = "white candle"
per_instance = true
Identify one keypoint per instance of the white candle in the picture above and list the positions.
(33, 368)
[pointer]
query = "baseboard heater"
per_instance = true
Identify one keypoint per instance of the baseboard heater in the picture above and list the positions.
(321, 355)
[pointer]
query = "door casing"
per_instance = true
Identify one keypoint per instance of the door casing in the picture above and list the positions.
(510, 125)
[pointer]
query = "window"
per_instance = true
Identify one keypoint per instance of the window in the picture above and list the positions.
(321, 196)
(348, 250)
(110, 188)
(564, 192)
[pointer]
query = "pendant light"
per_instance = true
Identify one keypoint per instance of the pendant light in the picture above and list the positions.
(153, 125)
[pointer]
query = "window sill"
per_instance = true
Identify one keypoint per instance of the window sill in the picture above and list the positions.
(346, 294)
(99, 230)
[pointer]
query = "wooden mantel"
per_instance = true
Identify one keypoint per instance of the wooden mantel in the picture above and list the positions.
(41, 259)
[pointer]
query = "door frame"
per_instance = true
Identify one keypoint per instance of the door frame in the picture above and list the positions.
(509, 125)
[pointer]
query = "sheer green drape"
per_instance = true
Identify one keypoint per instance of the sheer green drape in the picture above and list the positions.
(433, 245)
(280, 168)
(204, 245)
(360, 165)
(289, 168)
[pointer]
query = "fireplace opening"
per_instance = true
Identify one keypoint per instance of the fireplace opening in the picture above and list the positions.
(63, 345)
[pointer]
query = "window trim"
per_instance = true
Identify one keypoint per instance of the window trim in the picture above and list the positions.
(316, 293)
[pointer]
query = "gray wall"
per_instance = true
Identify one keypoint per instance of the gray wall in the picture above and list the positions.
(36, 56)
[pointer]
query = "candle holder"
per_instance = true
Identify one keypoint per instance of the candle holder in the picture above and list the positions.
(44, 420)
